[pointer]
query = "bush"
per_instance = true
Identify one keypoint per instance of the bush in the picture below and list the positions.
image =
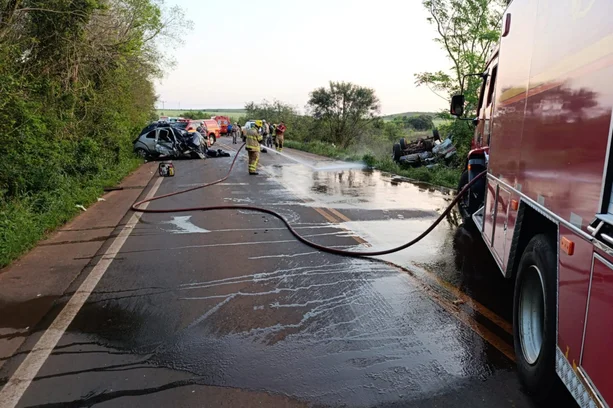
(27, 219)
(74, 96)
(421, 122)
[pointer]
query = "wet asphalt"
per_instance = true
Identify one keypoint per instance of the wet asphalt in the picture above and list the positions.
(227, 309)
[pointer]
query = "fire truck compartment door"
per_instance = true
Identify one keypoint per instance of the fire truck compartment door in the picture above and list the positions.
(596, 356)
(489, 217)
(500, 229)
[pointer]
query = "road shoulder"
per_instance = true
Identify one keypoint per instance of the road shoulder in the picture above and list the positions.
(30, 286)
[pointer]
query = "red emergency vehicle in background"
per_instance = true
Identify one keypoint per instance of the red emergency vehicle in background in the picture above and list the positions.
(223, 122)
(545, 209)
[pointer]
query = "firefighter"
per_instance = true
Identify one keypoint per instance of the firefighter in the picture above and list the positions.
(253, 138)
(280, 136)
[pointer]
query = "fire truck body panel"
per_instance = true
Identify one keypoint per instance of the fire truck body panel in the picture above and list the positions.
(549, 137)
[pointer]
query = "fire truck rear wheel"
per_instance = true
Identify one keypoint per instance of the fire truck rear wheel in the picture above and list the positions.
(534, 317)
(465, 206)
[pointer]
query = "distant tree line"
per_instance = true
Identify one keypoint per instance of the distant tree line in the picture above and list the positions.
(196, 115)
(417, 122)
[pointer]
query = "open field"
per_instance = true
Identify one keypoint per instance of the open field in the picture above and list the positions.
(437, 121)
(409, 114)
(221, 112)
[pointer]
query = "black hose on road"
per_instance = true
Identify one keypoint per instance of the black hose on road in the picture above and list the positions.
(354, 254)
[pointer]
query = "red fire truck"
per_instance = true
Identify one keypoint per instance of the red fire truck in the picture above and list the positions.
(545, 210)
(223, 122)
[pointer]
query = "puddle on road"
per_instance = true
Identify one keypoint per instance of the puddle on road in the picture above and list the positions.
(17, 321)
(356, 189)
(391, 213)
(385, 234)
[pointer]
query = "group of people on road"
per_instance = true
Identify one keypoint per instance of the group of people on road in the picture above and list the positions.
(262, 132)
(273, 133)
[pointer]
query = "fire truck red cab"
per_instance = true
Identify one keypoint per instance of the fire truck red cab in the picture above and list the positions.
(223, 122)
(546, 208)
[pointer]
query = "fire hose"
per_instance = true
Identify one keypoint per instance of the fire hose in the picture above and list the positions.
(335, 251)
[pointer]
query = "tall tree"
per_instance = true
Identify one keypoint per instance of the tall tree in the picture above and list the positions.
(468, 31)
(345, 108)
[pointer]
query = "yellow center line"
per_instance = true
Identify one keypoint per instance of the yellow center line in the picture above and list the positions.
(339, 214)
(485, 333)
(478, 328)
(462, 315)
(493, 317)
(326, 215)
(499, 321)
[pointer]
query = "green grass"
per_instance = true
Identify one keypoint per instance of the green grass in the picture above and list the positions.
(437, 121)
(25, 221)
(323, 149)
(440, 175)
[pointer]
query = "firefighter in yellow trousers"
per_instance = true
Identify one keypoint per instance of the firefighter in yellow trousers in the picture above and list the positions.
(253, 139)
(281, 128)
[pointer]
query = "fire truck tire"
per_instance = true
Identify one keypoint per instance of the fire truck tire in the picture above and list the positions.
(466, 207)
(534, 317)
(213, 138)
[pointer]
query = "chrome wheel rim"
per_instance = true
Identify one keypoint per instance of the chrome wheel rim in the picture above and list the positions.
(532, 314)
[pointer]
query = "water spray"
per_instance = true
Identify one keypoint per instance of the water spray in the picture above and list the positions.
(344, 166)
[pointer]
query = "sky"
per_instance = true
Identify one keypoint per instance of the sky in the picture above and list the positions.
(250, 50)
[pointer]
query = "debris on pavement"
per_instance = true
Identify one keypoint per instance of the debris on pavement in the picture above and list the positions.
(79, 206)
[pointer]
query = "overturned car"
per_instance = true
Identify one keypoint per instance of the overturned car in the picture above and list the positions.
(424, 152)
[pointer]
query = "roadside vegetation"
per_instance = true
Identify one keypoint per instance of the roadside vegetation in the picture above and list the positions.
(76, 85)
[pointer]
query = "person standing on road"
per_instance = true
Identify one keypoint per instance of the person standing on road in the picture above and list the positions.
(237, 130)
(253, 139)
(265, 131)
(271, 132)
(230, 128)
(280, 136)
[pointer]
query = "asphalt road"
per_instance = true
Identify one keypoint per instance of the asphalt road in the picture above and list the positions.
(226, 309)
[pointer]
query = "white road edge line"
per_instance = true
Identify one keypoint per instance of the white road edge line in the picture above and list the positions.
(19, 382)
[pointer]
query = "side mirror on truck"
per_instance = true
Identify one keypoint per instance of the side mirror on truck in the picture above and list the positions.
(457, 105)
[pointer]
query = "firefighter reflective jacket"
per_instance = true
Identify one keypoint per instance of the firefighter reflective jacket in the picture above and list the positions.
(253, 139)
